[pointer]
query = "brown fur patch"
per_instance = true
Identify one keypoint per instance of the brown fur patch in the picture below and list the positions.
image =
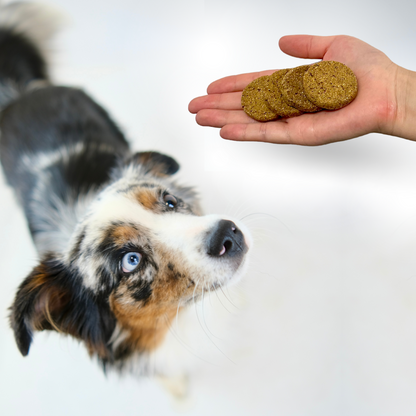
(38, 278)
(147, 198)
(123, 234)
(147, 322)
(147, 326)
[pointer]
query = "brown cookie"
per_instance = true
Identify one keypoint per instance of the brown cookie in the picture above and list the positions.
(254, 101)
(330, 84)
(275, 98)
(291, 87)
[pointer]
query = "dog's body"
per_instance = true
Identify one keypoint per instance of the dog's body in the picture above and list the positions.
(123, 248)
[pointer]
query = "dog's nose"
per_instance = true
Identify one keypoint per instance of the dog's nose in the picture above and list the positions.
(226, 240)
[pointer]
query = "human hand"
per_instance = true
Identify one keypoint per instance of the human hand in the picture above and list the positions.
(375, 109)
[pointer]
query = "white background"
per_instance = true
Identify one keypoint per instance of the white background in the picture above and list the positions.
(325, 321)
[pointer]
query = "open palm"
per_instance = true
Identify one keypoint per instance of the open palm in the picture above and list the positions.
(373, 110)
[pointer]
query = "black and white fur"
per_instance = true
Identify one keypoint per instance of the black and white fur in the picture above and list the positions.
(123, 248)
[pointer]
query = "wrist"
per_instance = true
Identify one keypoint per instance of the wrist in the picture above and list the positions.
(404, 120)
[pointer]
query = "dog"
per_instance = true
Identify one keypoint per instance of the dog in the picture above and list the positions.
(123, 248)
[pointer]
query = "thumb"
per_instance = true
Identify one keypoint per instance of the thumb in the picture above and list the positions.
(305, 46)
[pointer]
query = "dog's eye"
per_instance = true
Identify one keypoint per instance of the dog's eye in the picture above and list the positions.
(170, 201)
(130, 262)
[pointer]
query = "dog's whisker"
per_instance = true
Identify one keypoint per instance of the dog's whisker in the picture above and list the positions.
(236, 206)
(177, 316)
(243, 212)
(259, 215)
(228, 297)
(211, 340)
(185, 345)
(204, 317)
(210, 295)
(193, 294)
(222, 303)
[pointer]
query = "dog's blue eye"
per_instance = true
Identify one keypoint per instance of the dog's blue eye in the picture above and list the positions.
(130, 262)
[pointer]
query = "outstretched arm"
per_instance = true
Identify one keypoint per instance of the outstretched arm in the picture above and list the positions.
(386, 100)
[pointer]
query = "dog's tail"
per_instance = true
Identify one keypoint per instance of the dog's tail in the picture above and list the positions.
(25, 31)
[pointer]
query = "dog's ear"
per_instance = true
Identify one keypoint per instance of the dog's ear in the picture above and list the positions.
(155, 163)
(52, 297)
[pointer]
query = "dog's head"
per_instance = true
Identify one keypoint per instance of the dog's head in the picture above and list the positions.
(141, 252)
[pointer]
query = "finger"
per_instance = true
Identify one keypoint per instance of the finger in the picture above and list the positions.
(281, 132)
(235, 82)
(308, 129)
(306, 46)
(230, 101)
(219, 118)
(276, 132)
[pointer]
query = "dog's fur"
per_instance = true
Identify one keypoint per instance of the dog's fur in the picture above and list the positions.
(123, 248)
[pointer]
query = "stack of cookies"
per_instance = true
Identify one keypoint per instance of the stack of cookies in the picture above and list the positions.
(328, 85)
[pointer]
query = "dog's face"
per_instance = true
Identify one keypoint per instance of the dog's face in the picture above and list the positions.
(142, 251)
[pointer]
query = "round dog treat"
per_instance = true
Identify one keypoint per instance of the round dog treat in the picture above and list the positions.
(275, 98)
(254, 101)
(291, 87)
(330, 84)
